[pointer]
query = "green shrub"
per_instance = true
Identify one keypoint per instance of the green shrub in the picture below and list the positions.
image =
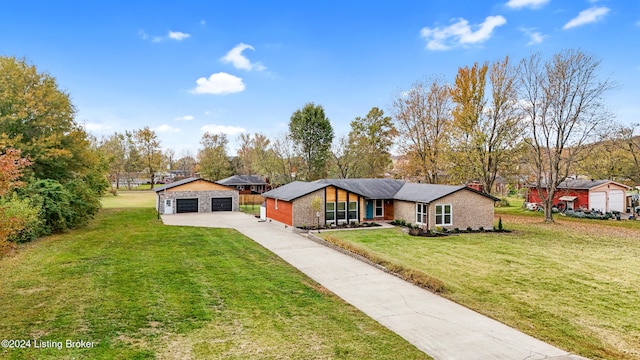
(25, 214)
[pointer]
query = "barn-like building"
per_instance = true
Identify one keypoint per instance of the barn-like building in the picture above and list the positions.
(601, 195)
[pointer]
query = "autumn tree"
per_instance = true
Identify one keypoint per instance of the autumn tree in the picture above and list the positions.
(150, 151)
(370, 141)
(213, 162)
(486, 122)
(37, 118)
(11, 167)
(312, 135)
(563, 102)
(423, 117)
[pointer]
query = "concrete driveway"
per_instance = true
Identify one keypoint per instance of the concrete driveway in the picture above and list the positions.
(439, 327)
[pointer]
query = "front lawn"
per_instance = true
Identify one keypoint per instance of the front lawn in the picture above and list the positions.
(142, 290)
(574, 284)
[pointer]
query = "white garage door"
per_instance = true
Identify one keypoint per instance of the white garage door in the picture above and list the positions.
(616, 200)
(598, 200)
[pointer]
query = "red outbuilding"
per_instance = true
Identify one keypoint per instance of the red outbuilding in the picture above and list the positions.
(601, 195)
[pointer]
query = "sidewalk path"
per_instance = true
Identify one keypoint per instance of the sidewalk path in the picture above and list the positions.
(437, 326)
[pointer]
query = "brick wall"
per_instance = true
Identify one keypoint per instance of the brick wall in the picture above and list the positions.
(303, 213)
(468, 210)
(404, 210)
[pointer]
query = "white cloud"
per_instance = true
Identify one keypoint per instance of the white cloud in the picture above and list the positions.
(96, 128)
(166, 128)
(222, 129)
(535, 37)
(173, 35)
(239, 61)
(460, 33)
(533, 4)
(184, 118)
(219, 84)
(591, 15)
(177, 35)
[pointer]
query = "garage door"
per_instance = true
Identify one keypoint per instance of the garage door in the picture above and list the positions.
(616, 200)
(186, 205)
(598, 200)
(221, 204)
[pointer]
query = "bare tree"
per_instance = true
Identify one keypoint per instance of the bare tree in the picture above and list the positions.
(344, 161)
(564, 108)
(423, 115)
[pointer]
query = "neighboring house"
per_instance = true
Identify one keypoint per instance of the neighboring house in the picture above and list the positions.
(331, 201)
(195, 195)
(246, 184)
(601, 195)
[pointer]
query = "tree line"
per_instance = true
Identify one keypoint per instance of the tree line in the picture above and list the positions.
(538, 120)
(51, 171)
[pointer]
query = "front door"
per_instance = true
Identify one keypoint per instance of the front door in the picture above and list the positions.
(369, 209)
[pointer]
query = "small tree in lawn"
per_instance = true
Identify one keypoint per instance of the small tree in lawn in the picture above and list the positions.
(316, 205)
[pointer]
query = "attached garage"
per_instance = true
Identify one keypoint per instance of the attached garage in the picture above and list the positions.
(617, 200)
(186, 205)
(597, 200)
(222, 204)
(195, 195)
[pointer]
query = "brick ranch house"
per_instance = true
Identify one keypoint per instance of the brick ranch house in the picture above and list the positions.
(338, 201)
(195, 195)
(602, 195)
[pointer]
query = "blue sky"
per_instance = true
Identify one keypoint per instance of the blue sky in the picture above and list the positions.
(186, 67)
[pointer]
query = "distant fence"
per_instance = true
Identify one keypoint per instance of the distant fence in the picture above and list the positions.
(251, 199)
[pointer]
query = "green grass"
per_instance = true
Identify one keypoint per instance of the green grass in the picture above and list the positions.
(250, 209)
(142, 290)
(573, 284)
(130, 199)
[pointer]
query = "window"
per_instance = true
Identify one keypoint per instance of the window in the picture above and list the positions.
(341, 213)
(421, 213)
(443, 215)
(379, 207)
(330, 212)
(276, 204)
(353, 211)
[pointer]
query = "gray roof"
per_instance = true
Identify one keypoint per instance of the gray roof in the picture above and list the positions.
(372, 189)
(293, 190)
(369, 188)
(581, 184)
(242, 180)
(425, 193)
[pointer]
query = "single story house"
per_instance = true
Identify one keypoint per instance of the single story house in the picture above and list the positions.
(195, 195)
(337, 201)
(246, 184)
(601, 195)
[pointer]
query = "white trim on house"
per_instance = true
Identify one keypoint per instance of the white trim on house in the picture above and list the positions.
(443, 215)
(422, 213)
(376, 207)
